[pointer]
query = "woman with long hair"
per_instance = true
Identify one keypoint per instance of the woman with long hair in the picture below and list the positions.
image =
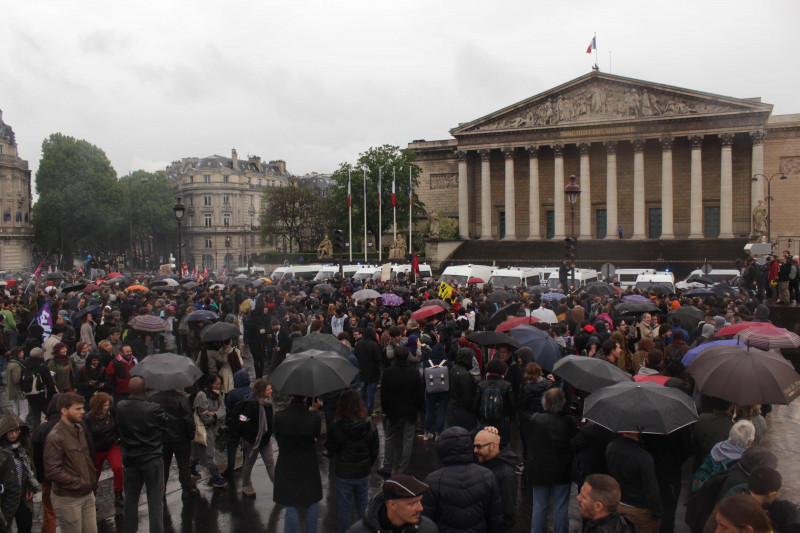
(530, 399)
(101, 426)
(353, 439)
(87, 331)
(15, 441)
(209, 405)
(741, 514)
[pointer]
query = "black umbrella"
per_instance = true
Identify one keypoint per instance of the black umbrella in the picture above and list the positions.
(704, 280)
(201, 316)
(589, 373)
(85, 311)
(723, 289)
(163, 288)
(599, 288)
(689, 316)
(190, 285)
(187, 280)
(74, 287)
(633, 308)
(646, 407)
(500, 296)
(240, 281)
(52, 276)
(324, 342)
(167, 371)
(325, 288)
(219, 331)
(313, 373)
(538, 289)
(492, 339)
(503, 313)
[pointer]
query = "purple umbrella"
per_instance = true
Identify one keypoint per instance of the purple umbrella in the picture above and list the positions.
(392, 300)
(694, 352)
(635, 298)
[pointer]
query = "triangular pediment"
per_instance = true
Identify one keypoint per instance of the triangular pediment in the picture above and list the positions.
(599, 98)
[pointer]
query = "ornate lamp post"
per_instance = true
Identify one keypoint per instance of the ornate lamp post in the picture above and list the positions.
(179, 209)
(769, 202)
(573, 192)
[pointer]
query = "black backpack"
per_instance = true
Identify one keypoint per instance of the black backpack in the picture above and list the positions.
(701, 503)
(491, 407)
(31, 383)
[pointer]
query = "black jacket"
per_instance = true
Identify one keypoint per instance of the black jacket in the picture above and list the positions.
(549, 460)
(402, 391)
(462, 384)
(248, 429)
(530, 398)
(181, 427)
(509, 402)
(613, 523)
(634, 469)
(297, 480)
(589, 447)
(97, 377)
(140, 424)
(504, 469)
(463, 497)
(368, 354)
(104, 436)
(355, 443)
(375, 520)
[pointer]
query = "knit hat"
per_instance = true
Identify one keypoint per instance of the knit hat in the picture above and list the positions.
(402, 486)
(36, 352)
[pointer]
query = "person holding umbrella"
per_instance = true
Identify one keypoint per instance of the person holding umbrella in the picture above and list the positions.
(633, 467)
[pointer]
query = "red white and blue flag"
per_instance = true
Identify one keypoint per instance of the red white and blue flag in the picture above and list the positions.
(394, 200)
(592, 45)
(348, 191)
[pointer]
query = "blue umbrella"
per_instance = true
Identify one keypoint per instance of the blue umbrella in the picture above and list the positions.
(635, 298)
(546, 350)
(694, 352)
(552, 296)
(700, 291)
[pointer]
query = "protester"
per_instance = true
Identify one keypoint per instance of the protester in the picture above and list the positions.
(209, 408)
(503, 463)
(598, 501)
(16, 455)
(176, 440)
(397, 507)
(254, 424)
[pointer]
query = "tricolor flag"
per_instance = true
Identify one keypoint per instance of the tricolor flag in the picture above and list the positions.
(592, 45)
(394, 200)
(348, 191)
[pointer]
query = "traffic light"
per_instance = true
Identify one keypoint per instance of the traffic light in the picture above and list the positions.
(569, 245)
(338, 240)
(171, 262)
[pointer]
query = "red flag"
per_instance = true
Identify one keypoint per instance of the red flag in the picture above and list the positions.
(205, 272)
(38, 269)
(415, 264)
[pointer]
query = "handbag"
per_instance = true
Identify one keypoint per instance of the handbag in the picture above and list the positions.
(199, 432)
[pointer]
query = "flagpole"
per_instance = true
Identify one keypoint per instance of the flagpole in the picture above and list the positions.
(394, 208)
(349, 218)
(365, 215)
(410, 208)
(596, 62)
(380, 219)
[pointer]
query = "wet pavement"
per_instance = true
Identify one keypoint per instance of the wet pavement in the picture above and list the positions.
(227, 510)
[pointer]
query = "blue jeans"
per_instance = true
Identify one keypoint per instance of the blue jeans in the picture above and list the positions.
(12, 335)
(151, 475)
(348, 490)
(541, 497)
(436, 410)
(368, 395)
(291, 523)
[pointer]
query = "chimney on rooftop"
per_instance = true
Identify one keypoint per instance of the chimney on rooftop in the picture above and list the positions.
(234, 159)
(281, 164)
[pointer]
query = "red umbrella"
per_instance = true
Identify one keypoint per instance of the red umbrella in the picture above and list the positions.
(661, 380)
(425, 312)
(472, 281)
(90, 288)
(733, 329)
(114, 275)
(508, 325)
(769, 338)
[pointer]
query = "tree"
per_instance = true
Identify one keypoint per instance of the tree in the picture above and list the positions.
(151, 201)
(388, 159)
(80, 202)
(292, 213)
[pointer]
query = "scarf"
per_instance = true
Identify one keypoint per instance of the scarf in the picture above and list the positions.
(23, 466)
(262, 422)
(61, 359)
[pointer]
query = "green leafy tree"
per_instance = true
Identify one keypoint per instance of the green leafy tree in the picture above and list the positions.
(149, 200)
(81, 205)
(293, 213)
(387, 158)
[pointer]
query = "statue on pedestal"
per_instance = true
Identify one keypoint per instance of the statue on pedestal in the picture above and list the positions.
(398, 249)
(760, 219)
(434, 220)
(325, 249)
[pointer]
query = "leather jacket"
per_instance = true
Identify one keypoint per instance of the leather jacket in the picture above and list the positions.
(141, 424)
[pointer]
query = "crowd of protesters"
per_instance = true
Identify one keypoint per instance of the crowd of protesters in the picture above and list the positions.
(76, 407)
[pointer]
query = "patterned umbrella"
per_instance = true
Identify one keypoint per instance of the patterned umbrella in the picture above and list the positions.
(552, 296)
(769, 338)
(392, 300)
(148, 323)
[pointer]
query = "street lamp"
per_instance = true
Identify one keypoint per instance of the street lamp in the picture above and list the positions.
(179, 209)
(769, 202)
(573, 191)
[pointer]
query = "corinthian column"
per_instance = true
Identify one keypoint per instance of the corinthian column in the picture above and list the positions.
(486, 196)
(586, 193)
(726, 188)
(463, 195)
(667, 226)
(534, 231)
(611, 190)
(558, 192)
(696, 189)
(510, 200)
(638, 190)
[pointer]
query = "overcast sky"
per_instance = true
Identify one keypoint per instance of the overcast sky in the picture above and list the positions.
(316, 82)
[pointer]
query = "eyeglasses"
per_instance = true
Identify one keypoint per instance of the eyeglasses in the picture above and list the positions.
(482, 446)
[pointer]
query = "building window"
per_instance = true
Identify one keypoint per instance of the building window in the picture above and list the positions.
(251, 221)
(206, 199)
(207, 220)
(226, 219)
(224, 179)
(252, 241)
(191, 179)
(259, 182)
(226, 200)
(251, 201)
(191, 200)
(206, 178)
(208, 242)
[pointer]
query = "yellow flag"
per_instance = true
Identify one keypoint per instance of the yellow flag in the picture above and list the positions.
(445, 291)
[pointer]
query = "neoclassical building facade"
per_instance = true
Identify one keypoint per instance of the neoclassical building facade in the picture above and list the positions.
(16, 220)
(652, 160)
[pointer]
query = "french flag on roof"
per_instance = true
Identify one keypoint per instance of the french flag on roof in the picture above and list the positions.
(592, 45)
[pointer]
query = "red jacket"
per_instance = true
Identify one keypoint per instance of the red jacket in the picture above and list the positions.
(119, 373)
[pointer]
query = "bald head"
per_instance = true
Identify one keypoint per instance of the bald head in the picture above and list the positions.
(136, 386)
(487, 445)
